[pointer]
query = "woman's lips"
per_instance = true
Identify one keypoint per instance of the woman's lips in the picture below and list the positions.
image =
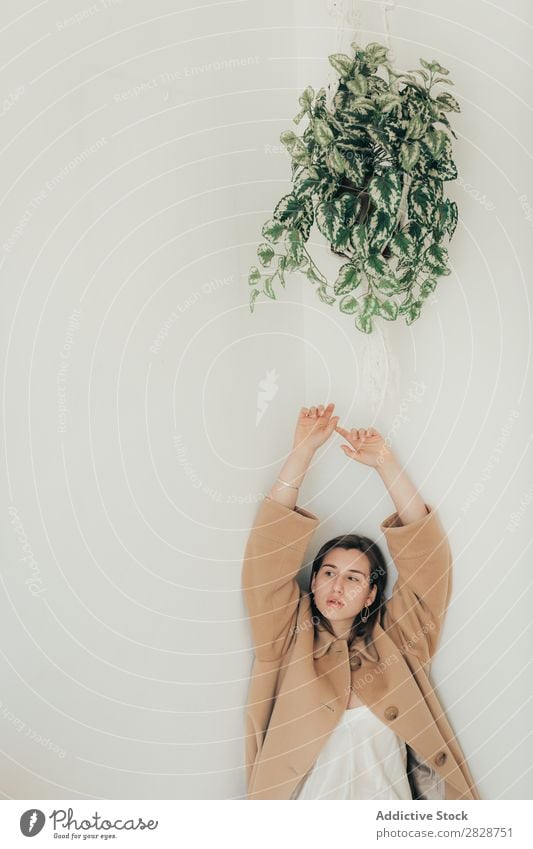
(335, 602)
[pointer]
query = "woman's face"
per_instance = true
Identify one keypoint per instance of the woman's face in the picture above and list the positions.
(341, 587)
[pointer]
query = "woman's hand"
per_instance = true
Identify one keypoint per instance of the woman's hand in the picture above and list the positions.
(314, 426)
(367, 446)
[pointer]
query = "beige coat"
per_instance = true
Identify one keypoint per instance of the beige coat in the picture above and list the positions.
(300, 685)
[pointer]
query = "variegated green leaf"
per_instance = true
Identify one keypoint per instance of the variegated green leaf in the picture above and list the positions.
(388, 310)
(353, 165)
(444, 168)
(267, 288)
(435, 256)
(375, 265)
(421, 203)
(413, 312)
(291, 264)
(347, 280)
(379, 227)
(438, 69)
(273, 230)
(376, 53)
(380, 137)
(385, 190)
(289, 139)
(435, 140)
(409, 154)
(296, 147)
(254, 276)
(447, 102)
(416, 230)
(253, 297)
(295, 213)
(306, 99)
(402, 244)
(312, 275)
(282, 261)
(287, 208)
(370, 305)
(342, 64)
(435, 111)
(416, 128)
(349, 304)
(265, 253)
(387, 285)
(358, 85)
(445, 213)
(427, 287)
(335, 161)
(322, 132)
(387, 102)
(359, 240)
(324, 296)
(294, 247)
(306, 188)
(335, 219)
(406, 304)
(363, 323)
(452, 219)
(361, 106)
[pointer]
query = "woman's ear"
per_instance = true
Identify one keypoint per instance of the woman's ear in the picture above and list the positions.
(373, 594)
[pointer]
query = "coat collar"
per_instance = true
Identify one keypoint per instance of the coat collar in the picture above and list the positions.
(324, 640)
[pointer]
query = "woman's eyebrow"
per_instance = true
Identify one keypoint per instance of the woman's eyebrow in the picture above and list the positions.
(332, 566)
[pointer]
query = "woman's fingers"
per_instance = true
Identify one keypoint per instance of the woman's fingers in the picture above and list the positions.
(342, 431)
(318, 411)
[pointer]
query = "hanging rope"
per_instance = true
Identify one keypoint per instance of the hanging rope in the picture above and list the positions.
(386, 7)
(378, 368)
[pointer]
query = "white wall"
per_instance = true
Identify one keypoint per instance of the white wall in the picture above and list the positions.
(124, 300)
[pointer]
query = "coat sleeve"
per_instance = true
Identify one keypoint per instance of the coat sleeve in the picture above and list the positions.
(273, 556)
(414, 613)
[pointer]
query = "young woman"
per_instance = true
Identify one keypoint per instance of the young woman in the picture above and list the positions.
(340, 705)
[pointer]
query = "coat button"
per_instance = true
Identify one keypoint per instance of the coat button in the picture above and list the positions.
(441, 758)
(391, 712)
(355, 661)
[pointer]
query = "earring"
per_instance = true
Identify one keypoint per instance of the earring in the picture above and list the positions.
(364, 617)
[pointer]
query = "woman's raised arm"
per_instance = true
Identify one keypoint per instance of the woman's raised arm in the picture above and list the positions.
(418, 545)
(367, 446)
(313, 427)
(278, 540)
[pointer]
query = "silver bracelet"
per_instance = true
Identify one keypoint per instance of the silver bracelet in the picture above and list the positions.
(287, 484)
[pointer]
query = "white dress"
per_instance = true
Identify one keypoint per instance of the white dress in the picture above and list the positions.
(362, 759)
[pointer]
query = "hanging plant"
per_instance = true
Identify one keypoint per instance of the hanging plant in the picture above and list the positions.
(369, 170)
